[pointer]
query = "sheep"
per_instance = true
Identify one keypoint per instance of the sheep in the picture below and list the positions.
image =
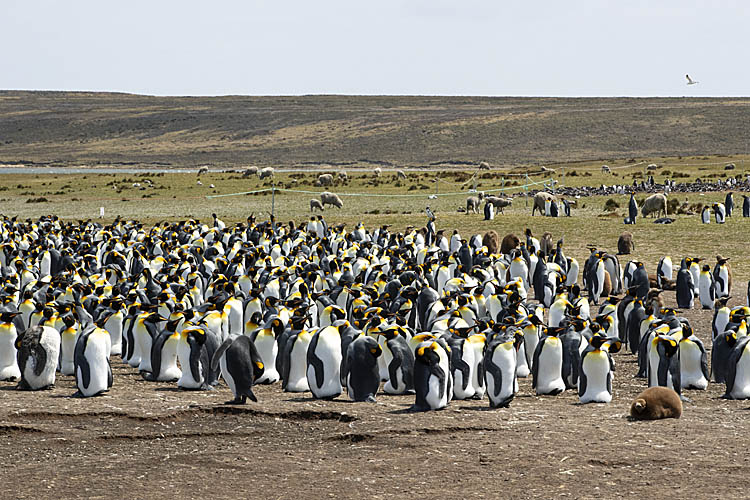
(625, 244)
(540, 200)
(499, 203)
(343, 177)
(652, 166)
(400, 174)
(548, 170)
(265, 172)
(606, 169)
(252, 170)
(490, 240)
(729, 166)
(203, 170)
(314, 203)
(510, 241)
(473, 202)
(327, 198)
(378, 171)
(325, 180)
(654, 205)
(483, 165)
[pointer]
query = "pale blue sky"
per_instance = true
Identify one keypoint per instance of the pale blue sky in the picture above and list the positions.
(426, 47)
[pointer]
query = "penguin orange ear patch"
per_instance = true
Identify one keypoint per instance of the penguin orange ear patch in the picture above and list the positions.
(374, 351)
(259, 365)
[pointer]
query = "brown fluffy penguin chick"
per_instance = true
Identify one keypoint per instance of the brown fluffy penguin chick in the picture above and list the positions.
(655, 403)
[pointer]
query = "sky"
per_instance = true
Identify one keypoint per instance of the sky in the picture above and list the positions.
(378, 47)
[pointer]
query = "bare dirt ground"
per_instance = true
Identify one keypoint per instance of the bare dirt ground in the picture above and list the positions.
(144, 440)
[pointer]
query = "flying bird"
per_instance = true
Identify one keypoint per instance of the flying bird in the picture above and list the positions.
(690, 80)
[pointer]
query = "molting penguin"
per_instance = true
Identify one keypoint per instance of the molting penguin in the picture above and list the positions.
(240, 366)
(595, 380)
(38, 351)
(655, 403)
(500, 358)
(92, 368)
(360, 368)
(432, 376)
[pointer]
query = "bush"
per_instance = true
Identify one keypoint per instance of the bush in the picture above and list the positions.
(611, 205)
(41, 199)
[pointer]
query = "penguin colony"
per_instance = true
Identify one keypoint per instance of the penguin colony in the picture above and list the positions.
(331, 311)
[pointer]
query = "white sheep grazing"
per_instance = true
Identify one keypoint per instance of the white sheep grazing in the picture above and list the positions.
(203, 170)
(378, 171)
(483, 165)
(343, 177)
(265, 172)
(652, 166)
(325, 180)
(400, 174)
(314, 203)
(499, 202)
(333, 199)
(654, 204)
(252, 170)
(606, 169)
(473, 203)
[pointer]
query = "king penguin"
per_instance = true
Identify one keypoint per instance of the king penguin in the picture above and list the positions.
(595, 378)
(240, 366)
(92, 368)
(38, 354)
(432, 376)
(324, 363)
(546, 369)
(360, 368)
(500, 359)
(693, 361)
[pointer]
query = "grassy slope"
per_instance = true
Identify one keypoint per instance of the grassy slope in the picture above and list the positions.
(91, 128)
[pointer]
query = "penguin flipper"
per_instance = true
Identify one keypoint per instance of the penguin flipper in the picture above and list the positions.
(496, 374)
(80, 361)
(582, 381)
(41, 360)
(110, 379)
(218, 354)
(195, 354)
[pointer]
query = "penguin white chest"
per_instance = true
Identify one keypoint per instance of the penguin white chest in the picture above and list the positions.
(596, 369)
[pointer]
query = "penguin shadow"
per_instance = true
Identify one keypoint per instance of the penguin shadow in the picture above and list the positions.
(483, 408)
(170, 389)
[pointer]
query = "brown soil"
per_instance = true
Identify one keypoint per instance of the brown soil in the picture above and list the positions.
(144, 440)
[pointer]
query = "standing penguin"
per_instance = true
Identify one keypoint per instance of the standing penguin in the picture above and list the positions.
(595, 379)
(685, 296)
(706, 215)
(729, 203)
(432, 376)
(399, 362)
(240, 366)
(632, 209)
(38, 351)
(706, 288)
(745, 205)
(92, 368)
(324, 363)
(360, 368)
(8, 334)
(738, 370)
(722, 277)
(164, 355)
(500, 359)
(265, 342)
(546, 369)
(294, 362)
(664, 271)
(640, 279)
(693, 361)
(720, 213)
(195, 350)
(664, 363)
(489, 210)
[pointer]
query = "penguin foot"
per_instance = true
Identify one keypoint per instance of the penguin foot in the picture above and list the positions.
(236, 401)
(370, 399)
(77, 394)
(148, 376)
(685, 399)
(23, 386)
